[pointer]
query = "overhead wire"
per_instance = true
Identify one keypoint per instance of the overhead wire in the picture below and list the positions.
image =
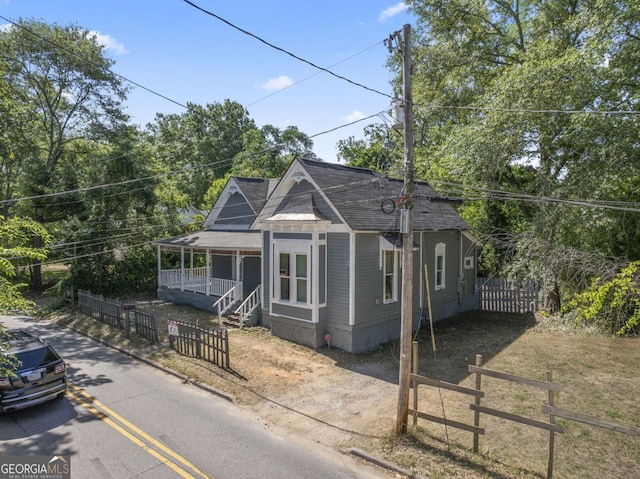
(283, 50)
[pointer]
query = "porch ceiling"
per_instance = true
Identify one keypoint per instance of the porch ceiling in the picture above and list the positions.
(221, 240)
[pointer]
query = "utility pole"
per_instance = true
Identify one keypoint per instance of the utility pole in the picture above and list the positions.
(404, 382)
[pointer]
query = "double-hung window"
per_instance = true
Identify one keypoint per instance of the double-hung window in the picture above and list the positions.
(391, 267)
(440, 266)
(293, 261)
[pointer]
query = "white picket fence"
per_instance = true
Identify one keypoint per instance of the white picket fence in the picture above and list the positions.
(507, 296)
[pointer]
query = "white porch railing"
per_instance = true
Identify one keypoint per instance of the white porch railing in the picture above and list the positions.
(195, 280)
(227, 300)
(249, 305)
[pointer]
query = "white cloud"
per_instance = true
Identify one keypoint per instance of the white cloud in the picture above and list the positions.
(109, 43)
(354, 116)
(392, 11)
(6, 27)
(275, 84)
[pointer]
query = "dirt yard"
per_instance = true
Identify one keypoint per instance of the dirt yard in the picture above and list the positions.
(343, 400)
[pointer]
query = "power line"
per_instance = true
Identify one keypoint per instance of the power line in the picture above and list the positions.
(287, 52)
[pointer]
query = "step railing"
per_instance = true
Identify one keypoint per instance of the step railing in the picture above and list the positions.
(249, 305)
(227, 300)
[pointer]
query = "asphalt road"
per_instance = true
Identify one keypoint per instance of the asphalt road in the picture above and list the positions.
(123, 419)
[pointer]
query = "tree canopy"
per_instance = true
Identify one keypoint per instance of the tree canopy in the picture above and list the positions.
(531, 107)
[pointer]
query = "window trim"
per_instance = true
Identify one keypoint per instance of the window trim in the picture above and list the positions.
(293, 248)
(395, 255)
(440, 276)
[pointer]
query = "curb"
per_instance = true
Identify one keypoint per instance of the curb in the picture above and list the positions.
(354, 451)
(183, 377)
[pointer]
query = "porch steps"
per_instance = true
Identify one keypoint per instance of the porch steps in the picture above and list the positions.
(231, 321)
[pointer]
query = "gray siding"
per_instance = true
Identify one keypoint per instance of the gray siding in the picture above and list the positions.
(251, 271)
(292, 311)
(338, 289)
(458, 294)
(236, 211)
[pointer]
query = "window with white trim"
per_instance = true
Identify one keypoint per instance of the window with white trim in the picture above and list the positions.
(440, 268)
(292, 269)
(391, 266)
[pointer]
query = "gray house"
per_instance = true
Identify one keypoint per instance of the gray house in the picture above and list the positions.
(317, 255)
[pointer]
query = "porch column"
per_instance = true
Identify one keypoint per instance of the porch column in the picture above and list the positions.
(238, 271)
(159, 266)
(208, 260)
(182, 268)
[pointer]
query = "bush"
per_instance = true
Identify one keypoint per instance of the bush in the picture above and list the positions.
(612, 306)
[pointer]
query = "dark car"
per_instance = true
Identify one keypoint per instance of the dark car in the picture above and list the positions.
(39, 374)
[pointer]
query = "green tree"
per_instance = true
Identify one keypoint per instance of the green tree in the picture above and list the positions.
(108, 244)
(16, 237)
(380, 150)
(61, 76)
(198, 146)
(267, 151)
(512, 97)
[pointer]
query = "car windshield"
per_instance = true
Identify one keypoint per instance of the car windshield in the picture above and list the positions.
(36, 357)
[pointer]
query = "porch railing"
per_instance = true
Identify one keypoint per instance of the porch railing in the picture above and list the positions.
(195, 280)
(249, 305)
(227, 300)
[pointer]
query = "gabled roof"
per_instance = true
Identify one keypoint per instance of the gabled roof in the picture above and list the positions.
(255, 192)
(358, 194)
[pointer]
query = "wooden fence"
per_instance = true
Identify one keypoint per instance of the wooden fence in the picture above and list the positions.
(118, 314)
(211, 345)
(478, 409)
(507, 296)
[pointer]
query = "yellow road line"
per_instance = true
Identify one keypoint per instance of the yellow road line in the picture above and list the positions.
(108, 414)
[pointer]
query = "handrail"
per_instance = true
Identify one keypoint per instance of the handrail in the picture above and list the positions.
(227, 300)
(249, 305)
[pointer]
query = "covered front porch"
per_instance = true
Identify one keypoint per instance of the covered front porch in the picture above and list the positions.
(212, 270)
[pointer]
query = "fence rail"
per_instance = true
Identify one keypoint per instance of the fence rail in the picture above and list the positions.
(118, 314)
(507, 296)
(550, 408)
(211, 345)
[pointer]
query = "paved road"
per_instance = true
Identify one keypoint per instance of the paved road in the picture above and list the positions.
(122, 419)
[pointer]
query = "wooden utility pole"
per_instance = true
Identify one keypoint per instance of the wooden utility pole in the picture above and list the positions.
(404, 382)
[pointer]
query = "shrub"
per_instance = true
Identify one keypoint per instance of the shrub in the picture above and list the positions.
(612, 306)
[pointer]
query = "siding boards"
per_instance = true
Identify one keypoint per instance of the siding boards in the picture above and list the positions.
(338, 288)
(369, 283)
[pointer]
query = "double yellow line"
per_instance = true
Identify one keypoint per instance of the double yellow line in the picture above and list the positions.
(168, 457)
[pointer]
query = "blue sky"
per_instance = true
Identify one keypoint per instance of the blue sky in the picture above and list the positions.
(184, 54)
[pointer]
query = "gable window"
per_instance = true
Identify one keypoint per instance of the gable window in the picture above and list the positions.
(292, 271)
(440, 266)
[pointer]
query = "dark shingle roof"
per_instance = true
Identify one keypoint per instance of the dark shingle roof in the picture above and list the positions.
(256, 190)
(358, 194)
